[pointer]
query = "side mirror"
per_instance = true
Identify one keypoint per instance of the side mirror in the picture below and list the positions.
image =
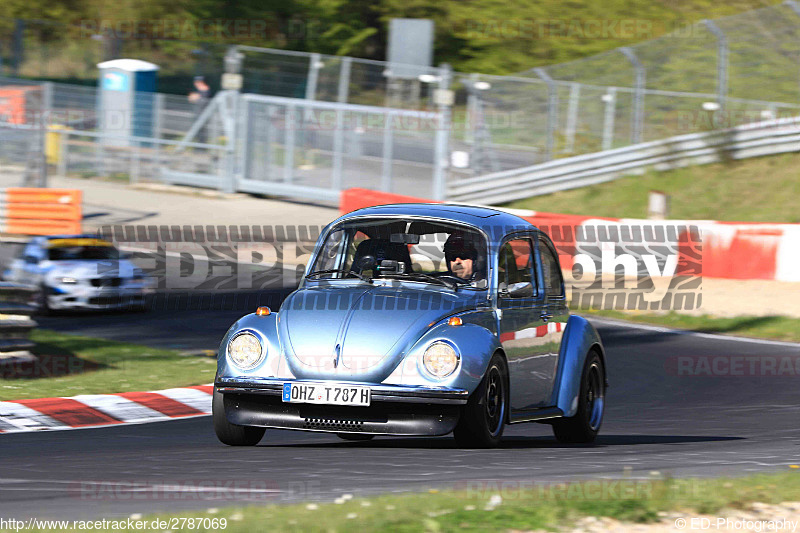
(523, 289)
(366, 262)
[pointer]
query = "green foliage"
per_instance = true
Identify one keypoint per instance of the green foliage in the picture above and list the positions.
(483, 35)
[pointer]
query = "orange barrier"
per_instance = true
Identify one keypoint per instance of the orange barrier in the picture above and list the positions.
(352, 199)
(29, 211)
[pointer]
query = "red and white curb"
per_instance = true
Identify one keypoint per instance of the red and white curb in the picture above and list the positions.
(94, 410)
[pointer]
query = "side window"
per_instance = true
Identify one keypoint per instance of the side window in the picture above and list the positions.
(514, 263)
(551, 271)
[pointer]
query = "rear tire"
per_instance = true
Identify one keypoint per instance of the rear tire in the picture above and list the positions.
(483, 418)
(584, 426)
(355, 436)
(231, 434)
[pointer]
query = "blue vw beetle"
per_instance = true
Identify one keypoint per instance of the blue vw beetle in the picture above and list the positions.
(416, 319)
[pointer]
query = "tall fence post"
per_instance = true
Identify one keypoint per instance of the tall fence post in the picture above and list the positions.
(610, 98)
(552, 112)
(343, 92)
(637, 118)
(288, 144)
(314, 63)
(440, 153)
(572, 116)
(471, 120)
(18, 46)
(44, 115)
(338, 150)
(388, 153)
(722, 62)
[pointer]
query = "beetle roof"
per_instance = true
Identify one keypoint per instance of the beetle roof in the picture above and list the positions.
(492, 221)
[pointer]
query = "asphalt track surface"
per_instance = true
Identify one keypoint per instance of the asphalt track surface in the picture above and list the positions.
(658, 418)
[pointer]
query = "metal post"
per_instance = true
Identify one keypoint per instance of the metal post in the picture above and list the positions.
(338, 148)
(637, 117)
(288, 145)
(344, 80)
(722, 62)
(552, 112)
(47, 106)
(63, 146)
(158, 112)
(18, 46)
(268, 154)
(572, 116)
(135, 163)
(388, 153)
(471, 121)
(314, 63)
(610, 98)
(440, 156)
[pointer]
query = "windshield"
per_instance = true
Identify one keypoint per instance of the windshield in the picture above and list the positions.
(419, 250)
(71, 253)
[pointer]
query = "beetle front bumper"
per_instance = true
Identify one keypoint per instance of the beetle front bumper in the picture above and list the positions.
(394, 410)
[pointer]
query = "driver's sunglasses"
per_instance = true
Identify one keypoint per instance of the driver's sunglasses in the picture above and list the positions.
(459, 255)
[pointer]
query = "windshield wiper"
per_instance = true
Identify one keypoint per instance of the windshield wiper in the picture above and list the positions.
(340, 271)
(449, 284)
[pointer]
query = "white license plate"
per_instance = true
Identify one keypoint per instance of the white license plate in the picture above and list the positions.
(326, 393)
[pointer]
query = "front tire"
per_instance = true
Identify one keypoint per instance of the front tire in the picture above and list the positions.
(584, 426)
(43, 301)
(231, 434)
(483, 418)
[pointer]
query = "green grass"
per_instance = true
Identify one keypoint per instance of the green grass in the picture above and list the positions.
(69, 365)
(523, 506)
(764, 189)
(764, 327)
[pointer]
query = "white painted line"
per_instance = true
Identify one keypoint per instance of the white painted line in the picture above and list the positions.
(192, 397)
(662, 329)
(120, 408)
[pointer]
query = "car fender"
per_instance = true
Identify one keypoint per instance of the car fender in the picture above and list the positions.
(580, 337)
(475, 344)
(265, 327)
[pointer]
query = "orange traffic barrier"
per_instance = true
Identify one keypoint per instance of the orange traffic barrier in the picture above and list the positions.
(355, 198)
(29, 211)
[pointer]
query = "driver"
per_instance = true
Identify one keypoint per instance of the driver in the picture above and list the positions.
(461, 255)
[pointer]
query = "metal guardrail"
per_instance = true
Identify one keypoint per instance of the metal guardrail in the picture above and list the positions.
(15, 319)
(750, 140)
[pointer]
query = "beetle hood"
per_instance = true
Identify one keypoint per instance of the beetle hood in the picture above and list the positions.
(360, 332)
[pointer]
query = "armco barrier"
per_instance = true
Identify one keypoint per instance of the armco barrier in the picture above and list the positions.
(767, 137)
(15, 321)
(731, 250)
(29, 211)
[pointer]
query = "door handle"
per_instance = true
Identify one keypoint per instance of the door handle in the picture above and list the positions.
(546, 316)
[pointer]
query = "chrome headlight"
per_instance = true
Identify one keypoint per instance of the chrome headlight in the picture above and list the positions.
(440, 359)
(245, 350)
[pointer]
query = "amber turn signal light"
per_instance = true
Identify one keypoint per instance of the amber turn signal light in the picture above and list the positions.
(455, 321)
(263, 311)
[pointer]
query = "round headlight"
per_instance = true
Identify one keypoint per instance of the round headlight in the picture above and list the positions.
(245, 350)
(440, 359)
